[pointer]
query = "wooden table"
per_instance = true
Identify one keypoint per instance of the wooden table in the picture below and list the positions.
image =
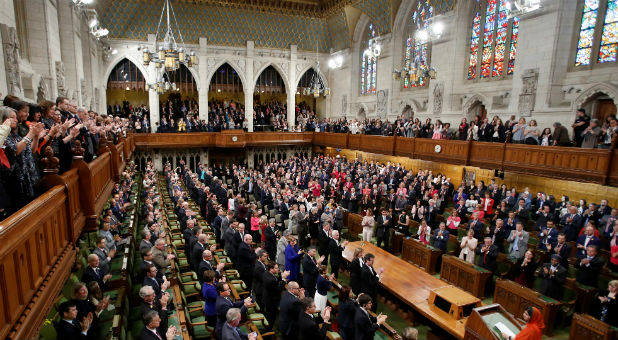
(411, 285)
(515, 298)
(420, 254)
(466, 275)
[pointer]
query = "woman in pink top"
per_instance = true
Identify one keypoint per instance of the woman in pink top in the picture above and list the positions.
(452, 222)
(424, 232)
(255, 224)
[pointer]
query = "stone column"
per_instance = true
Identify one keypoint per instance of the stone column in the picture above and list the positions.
(291, 90)
(203, 72)
(153, 102)
(249, 86)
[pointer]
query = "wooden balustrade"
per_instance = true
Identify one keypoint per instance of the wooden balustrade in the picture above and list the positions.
(95, 185)
(586, 165)
(36, 254)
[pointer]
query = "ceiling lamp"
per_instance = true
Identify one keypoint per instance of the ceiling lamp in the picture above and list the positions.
(374, 49)
(168, 54)
(316, 87)
(335, 62)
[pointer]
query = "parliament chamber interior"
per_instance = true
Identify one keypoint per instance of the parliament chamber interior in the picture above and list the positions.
(308, 169)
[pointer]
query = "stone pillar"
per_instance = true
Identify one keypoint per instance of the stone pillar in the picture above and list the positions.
(291, 91)
(157, 161)
(70, 43)
(153, 102)
(204, 82)
(249, 86)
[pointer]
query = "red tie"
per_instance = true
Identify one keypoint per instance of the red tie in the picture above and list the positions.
(3, 160)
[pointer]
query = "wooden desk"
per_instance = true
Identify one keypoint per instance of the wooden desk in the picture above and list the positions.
(515, 298)
(397, 242)
(414, 292)
(420, 254)
(463, 274)
(585, 326)
(481, 322)
(353, 223)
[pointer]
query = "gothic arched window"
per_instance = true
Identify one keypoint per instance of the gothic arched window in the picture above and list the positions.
(493, 42)
(369, 63)
(598, 33)
(417, 49)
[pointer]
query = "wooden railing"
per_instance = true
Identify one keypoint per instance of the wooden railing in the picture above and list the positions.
(37, 243)
(584, 165)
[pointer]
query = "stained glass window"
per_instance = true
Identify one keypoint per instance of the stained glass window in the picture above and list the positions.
(493, 41)
(598, 31)
(417, 49)
(369, 64)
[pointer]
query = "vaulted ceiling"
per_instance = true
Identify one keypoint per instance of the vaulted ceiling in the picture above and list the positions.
(309, 24)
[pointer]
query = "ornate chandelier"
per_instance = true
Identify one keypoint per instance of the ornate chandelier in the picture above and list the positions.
(316, 88)
(167, 55)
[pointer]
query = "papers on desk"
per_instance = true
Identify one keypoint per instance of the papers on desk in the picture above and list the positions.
(502, 328)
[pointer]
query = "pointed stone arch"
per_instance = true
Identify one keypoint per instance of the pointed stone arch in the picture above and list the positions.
(600, 88)
(120, 58)
(322, 76)
(282, 73)
(240, 73)
(470, 101)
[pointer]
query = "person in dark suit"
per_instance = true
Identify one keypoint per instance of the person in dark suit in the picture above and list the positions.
(258, 271)
(346, 313)
(355, 270)
(498, 234)
(585, 240)
(370, 279)
(205, 265)
(246, 261)
(608, 304)
(289, 311)
(150, 302)
(308, 328)
(336, 248)
(488, 254)
(477, 225)
(324, 241)
(383, 232)
(198, 250)
(440, 237)
(588, 267)
(270, 235)
(224, 303)
(272, 287)
(553, 275)
(68, 327)
(563, 249)
(230, 329)
(310, 271)
(152, 330)
(94, 273)
(159, 285)
(366, 325)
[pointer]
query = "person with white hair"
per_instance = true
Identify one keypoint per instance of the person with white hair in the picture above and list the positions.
(230, 329)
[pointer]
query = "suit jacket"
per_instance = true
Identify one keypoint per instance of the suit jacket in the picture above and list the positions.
(246, 259)
(308, 328)
(104, 264)
(196, 254)
(155, 283)
(270, 243)
(552, 283)
(356, 276)
(231, 333)
(310, 273)
(366, 325)
(147, 334)
(550, 238)
(581, 253)
(145, 245)
(440, 242)
(383, 225)
(522, 244)
(69, 331)
(222, 306)
(324, 242)
(156, 306)
(565, 253)
(89, 275)
(487, 260)
(369, 282)
(588, 274)
(289, 311)
(202, 267)
(335, 250)
(258, 272)
(346, 313)
(159, 257)
(477, 226)
(272, 287)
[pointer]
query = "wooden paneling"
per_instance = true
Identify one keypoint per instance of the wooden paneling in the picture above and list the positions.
(586, 327)
(271, 138)
(575, 163)
(354, 141)
(95, 186)
(465, 275)
(405, 146)
(174, 140)
(486, 155)
(335, 140)
(451, 151)
(75, 215)
(378, 144)
(515, 298)
(613, 169)
(420, 255)
(32, 241)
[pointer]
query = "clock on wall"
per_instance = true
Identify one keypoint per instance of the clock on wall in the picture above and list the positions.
(437, 148)
(234, 139)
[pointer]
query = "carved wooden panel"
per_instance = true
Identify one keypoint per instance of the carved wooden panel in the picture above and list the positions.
(451, 151)
(486, 155)
(586, 327)
(464, 275)
(419, 254)
(405, 146)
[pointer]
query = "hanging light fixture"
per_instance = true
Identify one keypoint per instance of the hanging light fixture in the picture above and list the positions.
(168, 54)
(434, 28)
(316, 87)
